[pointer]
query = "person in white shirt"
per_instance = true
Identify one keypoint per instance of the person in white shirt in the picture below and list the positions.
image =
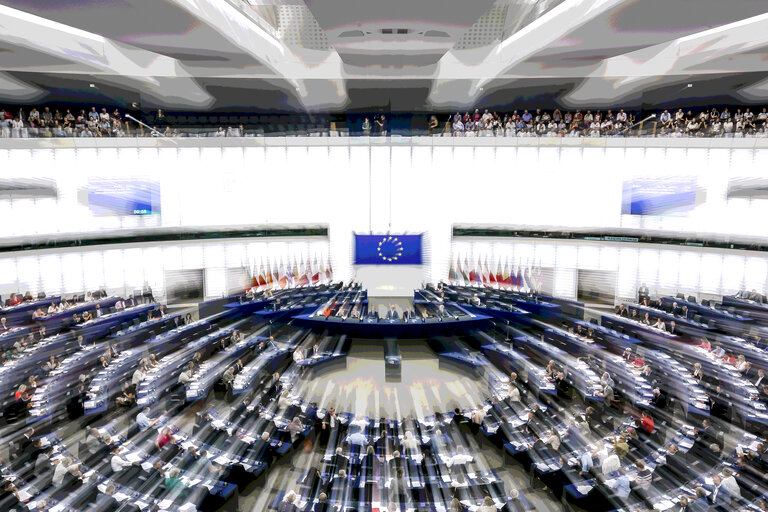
(52, 309)
(458, 128)
(60, 471)
(660, 325)
(144, 421)
(138, 375)
(611, 464)
(730, 483)
(459, 458)
(513, 393)
(298, 355)
(410, 442)
(760, 378)
(553, 440)
(488, 505)
(185, 376)
(117, 462)
(119, 305)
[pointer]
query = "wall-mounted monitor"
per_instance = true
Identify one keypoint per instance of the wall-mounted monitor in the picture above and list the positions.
(108, 196)
(660, 195)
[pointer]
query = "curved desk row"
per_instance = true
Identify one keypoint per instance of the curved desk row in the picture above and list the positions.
(392, 328)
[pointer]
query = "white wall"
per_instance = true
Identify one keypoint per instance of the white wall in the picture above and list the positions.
(122, 268)
(699, 271)
(377, 185)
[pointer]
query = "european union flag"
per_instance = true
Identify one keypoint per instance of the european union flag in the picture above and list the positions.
(387, 249)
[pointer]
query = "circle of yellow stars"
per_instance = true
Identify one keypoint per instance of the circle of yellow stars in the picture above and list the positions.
(394, 245)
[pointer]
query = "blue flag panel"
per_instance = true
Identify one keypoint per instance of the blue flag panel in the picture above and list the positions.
(387, 249)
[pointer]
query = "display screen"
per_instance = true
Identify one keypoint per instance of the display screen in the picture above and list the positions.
(388, 249)
(659, 196)
(123, 197)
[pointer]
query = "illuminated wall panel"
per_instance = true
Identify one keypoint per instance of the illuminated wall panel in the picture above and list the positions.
(698, 271)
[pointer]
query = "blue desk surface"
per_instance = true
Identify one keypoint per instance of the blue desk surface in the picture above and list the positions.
(391, 329)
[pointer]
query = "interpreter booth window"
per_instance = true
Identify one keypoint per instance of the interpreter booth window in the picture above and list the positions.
(597, 286)
(184, 286)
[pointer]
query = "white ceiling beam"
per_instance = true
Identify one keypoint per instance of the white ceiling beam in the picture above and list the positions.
(728, 49)
(302, 71)
(157, 76)
(464, 73)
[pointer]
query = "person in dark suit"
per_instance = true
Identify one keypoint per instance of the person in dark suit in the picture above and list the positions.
(622, 311)
(659, 400)
(392, 313)
(676, 468)
(719, 407)
(710, 456)
(643, 292)
(287, 505)
(396, 463)
(339, 462)
(262, 449)
(329, 425)
(26, 440)
(563, 387)
(719, 495)
(337, 485)
(458, 418)
(322, 504)
(408, 314)
(698, 502)
(704, 434)
(106, 502)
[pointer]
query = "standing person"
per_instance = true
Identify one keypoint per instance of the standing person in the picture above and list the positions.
(434, 125)
(130, 124)
(380, 123)
(367, 127)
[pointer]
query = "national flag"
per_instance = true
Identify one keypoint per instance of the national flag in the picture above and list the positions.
(323, 275)
(473, 277)
(482, 277)
(282, 280)
(519, 278)
(304, 277)
(315, 271)
(465, 272)
(268, 275)
(262, 280)
(505, 278)
(295, 272)
(499, 275)
(329, 272)
(527, 277)
(452, 274)
(307, 275)
(491, 275)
